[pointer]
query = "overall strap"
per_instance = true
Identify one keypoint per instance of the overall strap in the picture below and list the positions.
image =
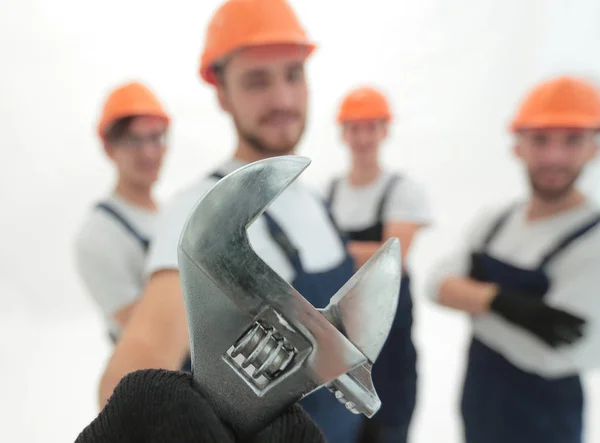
(123, 222)
(387, 190)
(284, 242)
(276, 233)
(333, 186)
(570, 238)
(328, 202)
(341, 234)
(497, 226)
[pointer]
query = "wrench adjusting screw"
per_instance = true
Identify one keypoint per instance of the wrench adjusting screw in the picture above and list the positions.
(262, 353)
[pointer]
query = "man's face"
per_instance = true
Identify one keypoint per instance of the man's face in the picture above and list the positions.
(555, 158)
(138, 153)
(264, 89)
(364, 137)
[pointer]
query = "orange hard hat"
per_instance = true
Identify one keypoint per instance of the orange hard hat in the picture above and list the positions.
(129, 100)
(560, 102)
(364, 103)
(242, 23)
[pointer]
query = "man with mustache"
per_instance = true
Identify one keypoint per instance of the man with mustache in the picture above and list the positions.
(111, 245)
(529, 276)
(254, 56)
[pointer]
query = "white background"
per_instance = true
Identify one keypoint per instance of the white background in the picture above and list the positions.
(453, 70)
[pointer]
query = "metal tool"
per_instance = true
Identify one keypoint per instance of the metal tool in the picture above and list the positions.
(257, 345)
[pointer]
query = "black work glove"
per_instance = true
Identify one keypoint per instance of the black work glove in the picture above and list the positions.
(553, 326)
(158, 406)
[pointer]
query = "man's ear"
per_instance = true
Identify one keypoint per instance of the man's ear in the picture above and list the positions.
(386, 129)
(343, 132)
(223, 98)
(518, 146)
(594, 153)
(108, 150)
(518, 150)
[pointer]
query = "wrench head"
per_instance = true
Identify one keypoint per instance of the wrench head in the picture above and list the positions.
(257, 345)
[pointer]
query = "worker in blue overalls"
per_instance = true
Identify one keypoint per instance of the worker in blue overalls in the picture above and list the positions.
(370, 205)
(111, 244)
(528, 274)
(254, 57)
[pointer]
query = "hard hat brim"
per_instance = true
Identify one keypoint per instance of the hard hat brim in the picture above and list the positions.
(267, 39)
(548, 121)
(104, 125)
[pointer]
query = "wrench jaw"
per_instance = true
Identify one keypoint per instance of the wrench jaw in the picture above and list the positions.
(257, 345)
(364, 310)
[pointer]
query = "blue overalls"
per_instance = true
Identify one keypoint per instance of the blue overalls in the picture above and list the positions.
(395, 371)
(144, 243)
(502, 403)
(337, 423)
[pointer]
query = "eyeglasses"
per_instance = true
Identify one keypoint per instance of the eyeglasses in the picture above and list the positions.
(135, 142)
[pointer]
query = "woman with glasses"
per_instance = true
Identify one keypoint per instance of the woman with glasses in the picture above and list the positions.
(111, 245)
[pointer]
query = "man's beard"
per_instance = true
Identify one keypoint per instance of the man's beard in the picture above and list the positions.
(553, 195)
(262, 147)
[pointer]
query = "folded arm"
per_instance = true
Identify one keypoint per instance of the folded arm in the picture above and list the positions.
(466, 294)
(404, 231)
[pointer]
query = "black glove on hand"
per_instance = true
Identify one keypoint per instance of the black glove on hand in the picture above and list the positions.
(551, 325)
(158, 406)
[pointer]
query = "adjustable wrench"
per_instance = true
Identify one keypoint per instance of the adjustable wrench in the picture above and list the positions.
(257, 345)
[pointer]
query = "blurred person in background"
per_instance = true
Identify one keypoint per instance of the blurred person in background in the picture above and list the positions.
(528, 275)
(112, 244)
(370, 204)
(254, 56)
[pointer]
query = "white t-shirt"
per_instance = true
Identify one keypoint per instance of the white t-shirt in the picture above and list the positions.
(574, 276)
(300, 213)
(355, 207)
(110, 260)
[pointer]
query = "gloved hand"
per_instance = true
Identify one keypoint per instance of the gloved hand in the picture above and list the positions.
(553, 326)
(158, 406)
